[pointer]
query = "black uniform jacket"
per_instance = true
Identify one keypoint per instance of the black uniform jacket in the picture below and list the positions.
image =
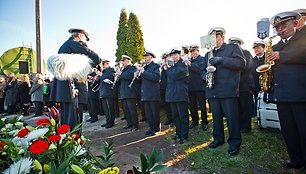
(150, 88)
(195, 81)
(227, 74)
(289, 72)
(106, 90)
(177, 82)
(60, 90)
(125, 79)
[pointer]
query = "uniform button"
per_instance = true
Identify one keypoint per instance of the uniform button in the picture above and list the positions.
(275, 99)
(275, 84)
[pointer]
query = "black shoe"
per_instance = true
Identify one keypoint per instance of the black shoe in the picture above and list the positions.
(117, 116)
(182, 140)
(289, 165)
(149, 131)
(167, 122)
(233, 150)
(123, 118)
(109, 126)
(151, 134)
(134, 129)
(215, 144)
(93, 120)
(126, 127)
(193, 125)
(205, 127)
(175, 137)
(104, 125)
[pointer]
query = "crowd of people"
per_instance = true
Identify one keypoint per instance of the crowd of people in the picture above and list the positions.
(183, 84)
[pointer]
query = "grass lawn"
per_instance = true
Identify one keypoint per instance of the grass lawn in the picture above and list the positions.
(262, 151)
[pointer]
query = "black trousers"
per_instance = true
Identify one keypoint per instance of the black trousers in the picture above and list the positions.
(93, 107)
(152, 114)
(1, 105)
(130, 111)
(292, 117)
(246, 106)
(166, 105)
(197, 99)
(109, 110)
(39, 107)
(180, 118)
(71, 114)
(229, 108)
(255, 95)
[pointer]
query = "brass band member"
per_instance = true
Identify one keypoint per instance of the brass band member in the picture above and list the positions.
(93, 96)
(196, 88)
(223, 96)
(107, 94)
(177, 94)
(246, 102)
(302, 20)
(128, 93)
(150, 92)
(288, 87)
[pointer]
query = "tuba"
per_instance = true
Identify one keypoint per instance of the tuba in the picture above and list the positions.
(265, 79)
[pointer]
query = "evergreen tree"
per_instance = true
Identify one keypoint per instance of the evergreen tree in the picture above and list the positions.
(122, 36)
(135, 41)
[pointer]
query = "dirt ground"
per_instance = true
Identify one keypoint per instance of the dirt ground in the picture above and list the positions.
(129, 144)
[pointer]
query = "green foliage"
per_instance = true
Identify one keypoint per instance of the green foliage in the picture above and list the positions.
(148, 163)
(122, 35)
(135, 39)
(106, 158)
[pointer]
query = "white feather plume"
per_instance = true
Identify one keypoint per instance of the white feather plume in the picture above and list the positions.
(69, 66)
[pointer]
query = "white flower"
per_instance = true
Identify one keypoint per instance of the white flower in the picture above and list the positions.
(8, 125)
(79, 150)
(19, 124)
(20, 142)
(21, 151)
(23, 166)
(3, 129)
(3, 119)
(52, 146)
(13, 132)
(36, 134)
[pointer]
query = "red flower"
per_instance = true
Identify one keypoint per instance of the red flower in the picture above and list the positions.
(2, 143)
(63, 129)
(54, 138)
(82, 142)
(39, 147)
(42, 122)
(54, 113)
(23, 132)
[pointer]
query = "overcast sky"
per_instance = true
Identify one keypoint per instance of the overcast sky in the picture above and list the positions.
(165, 23)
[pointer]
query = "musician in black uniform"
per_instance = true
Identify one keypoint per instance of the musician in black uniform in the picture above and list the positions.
(259, 59)
(150, 92)
(177, 95)
(163, 86)
(72, 111)
(93, 96)
(196, 88)
(302, 20)
(128, 93)
(223, 96)
(289, 84)
(107, 94)
(246, 102)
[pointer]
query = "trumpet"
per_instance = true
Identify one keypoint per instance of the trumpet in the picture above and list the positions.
(138, 72)
(95, 86)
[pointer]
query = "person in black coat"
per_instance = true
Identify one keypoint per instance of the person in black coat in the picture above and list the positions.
(150, 92)
(11, 94)
(107, 94)
(61, 90)
(259, 59)
(23, 91)
(177, 95)
(196, 88)
(93, 96)
(288, 86)
(128, 93)
(223, 95)
(163, 86)
(246, 102)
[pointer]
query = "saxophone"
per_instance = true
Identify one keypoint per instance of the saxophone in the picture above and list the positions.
(265, 79)
(210, 71)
